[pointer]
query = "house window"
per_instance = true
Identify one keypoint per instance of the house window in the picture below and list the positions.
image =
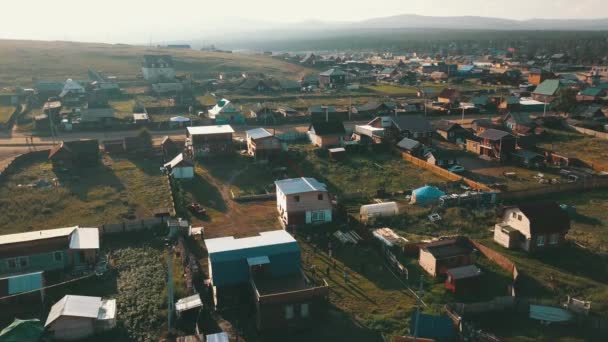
(11, 263)
(296, 198)
(289, 312)
(540, 240)
(58, 256)
(318, 216)
(320, 197)
(24, 262)
(514, 215)
(553, 239)
(304, 310)
(519, 217)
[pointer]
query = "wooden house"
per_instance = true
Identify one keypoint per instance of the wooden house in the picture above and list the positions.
(590, 95)
(537, 76)
(440, 157)
(327, 134)
(439, 256)
(209, 140)
(405, 126)
(75, 154)
(449, 96)
(519, 123)
(332, 78)
(410, 146)
(546, 91)
(262, 144)
(303, 201)
(376, 108)
(48, 250)
(326, 113)
(451, 131)
(533, 226)
(480, 125)
(180, 167)
(493, 144)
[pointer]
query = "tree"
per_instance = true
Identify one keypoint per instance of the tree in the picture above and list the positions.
(565, 100)
(145, 137)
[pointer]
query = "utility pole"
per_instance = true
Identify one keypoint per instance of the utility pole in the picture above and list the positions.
(418, 304)
(170, 288)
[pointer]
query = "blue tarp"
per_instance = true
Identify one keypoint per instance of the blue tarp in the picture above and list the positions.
(427, 194)
(435, 327)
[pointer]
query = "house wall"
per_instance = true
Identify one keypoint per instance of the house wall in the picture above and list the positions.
(290, 209)
(72, 328)
(155, 74)
(502, 238)
(37, 262)
(264, 148)
(327, 140)
(272, 316)
(427, 262)
(523, 225)
(183, 172)
(207, 144)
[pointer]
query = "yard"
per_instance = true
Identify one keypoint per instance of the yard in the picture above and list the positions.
(123, 109)
(138, 282)
(574, 144)
(365, 172)
(36, 197)
(392, 90)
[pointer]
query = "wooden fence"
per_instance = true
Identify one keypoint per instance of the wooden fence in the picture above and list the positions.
(132, 226)
(500, 260)
(445, 173)
(584, 185)
(601, 135)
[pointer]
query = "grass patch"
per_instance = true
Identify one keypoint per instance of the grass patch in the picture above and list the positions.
(392, 89)
(5, 113)
(364, 172)
(123, 109)
(581, 146)
(112, 192)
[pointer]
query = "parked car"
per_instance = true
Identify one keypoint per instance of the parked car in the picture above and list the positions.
(456, 168)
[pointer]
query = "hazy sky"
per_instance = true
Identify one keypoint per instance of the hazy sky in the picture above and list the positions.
(138, 21)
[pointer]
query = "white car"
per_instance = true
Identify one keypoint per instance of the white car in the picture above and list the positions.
(456, 168)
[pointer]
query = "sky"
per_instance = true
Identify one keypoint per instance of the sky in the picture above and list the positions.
(138, 21)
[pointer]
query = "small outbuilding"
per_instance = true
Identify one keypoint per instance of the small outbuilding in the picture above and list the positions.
(464, 279)
(426, 195)
(370, 212)
(180, 167)
(79, 317)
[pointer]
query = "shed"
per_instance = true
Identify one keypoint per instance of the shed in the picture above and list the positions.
(180, 167)
(78, 317)
(337, 153)
(462, 279)
(426, 195)
(188, 303)
(370, 212)
(435, 327)
(229, 257)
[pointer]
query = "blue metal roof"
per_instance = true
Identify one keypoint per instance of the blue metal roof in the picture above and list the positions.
(435, 327)
(299, 185)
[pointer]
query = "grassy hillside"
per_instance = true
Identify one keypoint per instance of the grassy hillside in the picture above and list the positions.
(22, 62)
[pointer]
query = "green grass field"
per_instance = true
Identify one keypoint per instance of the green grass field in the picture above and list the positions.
(123, 109)
(392, 90)
(123, 189)
(5, 113)
(21, 62)
(362, 171)
(584, 147)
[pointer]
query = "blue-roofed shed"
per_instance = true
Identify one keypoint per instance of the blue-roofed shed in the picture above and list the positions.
(230, 259)
(439, 328)
(426, 194)
(21, 283)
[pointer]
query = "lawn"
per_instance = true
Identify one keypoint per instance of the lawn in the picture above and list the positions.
(123, 109)
(392, 90)
(364, 172)
(584, 147)
(36, 197)
(23, 61)
(5, 113)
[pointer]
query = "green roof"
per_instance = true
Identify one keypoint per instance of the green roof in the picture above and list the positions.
(592, 92)
(547, 88)
(481, 100)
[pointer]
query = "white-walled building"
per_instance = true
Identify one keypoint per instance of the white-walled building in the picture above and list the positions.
(303, 201)
(78, 317)
(157, 68)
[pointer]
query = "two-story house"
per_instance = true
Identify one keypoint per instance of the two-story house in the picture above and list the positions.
(303, 201)
(493, 144)
(532, 226)
(262, 144)
(48, 250)
(156, 68)
(209, 140)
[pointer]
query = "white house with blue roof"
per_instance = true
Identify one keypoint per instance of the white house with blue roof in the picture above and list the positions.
(303, 201)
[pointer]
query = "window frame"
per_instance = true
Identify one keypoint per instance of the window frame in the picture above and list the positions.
(296, 198)
(553, 239)
(58, 253)
(320, 197)
(289, 312)
(305, 310)
(14, 262)
(540, 241)
(22, 260)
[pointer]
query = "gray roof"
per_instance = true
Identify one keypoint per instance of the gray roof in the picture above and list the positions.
(408, 144)
(333, 72)
(413, 123)
(299, 185)
(493, 134)
(75, 306)
(258, 133)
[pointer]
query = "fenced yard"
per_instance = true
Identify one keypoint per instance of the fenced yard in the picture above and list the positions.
(34, 196)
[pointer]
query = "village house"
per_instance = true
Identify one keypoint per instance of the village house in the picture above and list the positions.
(75, 154)
(332, 78)
(366, 134)
(590, 95)
(180, 167)
(410, 146)
(286, 111)
(326, 113)
(303, 201)
(170, 148)
(225, 112)
(405, 126)
(156, 68)
(48, 250)
(451, 131)
(493, 144)
(375, 108)
(262, 144)
(270, 264)
(387, 73)
(587, 112)
(480, 125)
(537, 76)
(546, 91)
(79, 317)
(440, 157)
(437, 257)
(327, 134)
(510, 104)
(209, 140)
(255, 85)
(533, 226)
(48, 89)
(519, 123)
(449, 96)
